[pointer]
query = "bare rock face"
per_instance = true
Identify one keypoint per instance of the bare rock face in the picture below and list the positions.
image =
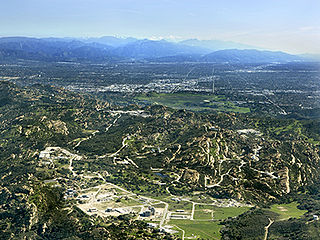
(58, 126)
(191, 176)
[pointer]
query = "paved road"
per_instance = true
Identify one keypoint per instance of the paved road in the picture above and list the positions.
(165, 212)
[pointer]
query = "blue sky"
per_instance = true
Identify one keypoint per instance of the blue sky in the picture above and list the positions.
(288, 25)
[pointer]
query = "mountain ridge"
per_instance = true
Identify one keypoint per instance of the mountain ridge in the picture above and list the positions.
(128, 49)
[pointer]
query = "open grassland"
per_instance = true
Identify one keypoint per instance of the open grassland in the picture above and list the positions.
(287, 211)
(224, 213)
(217, 213)
(173, 206)
(204, 226)
(203, 214)
(201, 229)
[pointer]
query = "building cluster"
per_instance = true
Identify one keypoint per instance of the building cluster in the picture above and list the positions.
(159, 86)
(176, 199)
(92, 210)
(117, 210)
(56, 153)
(149, 212)
(70, 193)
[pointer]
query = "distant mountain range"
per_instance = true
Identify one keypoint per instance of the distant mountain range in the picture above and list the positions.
(311, 57)
(110, 40)
(215, 45)
(249, 56)
(143, 49)
(106, 49)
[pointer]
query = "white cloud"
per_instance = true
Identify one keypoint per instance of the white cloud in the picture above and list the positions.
(168, 38)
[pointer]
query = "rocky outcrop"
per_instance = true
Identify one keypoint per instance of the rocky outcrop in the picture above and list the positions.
(58, 126)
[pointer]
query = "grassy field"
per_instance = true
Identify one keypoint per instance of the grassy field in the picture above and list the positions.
(203, 214)
(196, 102)
(203, 226)
(201, 229)
(287, 211)
(173, 206)
(224, 213)
(159, 205)
(207, 211)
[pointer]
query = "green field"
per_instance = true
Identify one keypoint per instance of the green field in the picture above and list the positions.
(196, 102)
(224, 213)
(173, 206)
(207, 211)
(203, 226)
(159, 205)
(203, 214)
(201, 229)
(287, 211)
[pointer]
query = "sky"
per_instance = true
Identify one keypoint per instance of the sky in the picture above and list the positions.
(287, 25)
